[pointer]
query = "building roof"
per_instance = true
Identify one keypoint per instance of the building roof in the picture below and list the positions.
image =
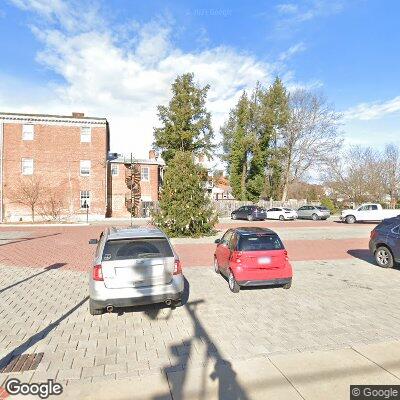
(126, 159)
(134, 232)
(52, 119)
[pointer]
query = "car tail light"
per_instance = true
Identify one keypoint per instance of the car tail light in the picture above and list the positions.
(236, 257)
(97, 273)
(177, 267)
(286, 255)
(374, 234)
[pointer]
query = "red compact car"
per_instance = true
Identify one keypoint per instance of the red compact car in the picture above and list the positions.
(252, 257)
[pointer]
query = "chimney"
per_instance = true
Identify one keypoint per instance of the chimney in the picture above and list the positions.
(78, 115)
(152, 154)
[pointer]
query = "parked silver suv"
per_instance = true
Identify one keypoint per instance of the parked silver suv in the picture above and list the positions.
(313, 212)
(134, 266)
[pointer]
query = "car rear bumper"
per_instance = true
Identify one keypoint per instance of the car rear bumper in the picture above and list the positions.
(125, 297)
(263, 275)
(268, 282)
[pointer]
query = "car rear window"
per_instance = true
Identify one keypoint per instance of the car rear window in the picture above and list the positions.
(322, 208)
(259, 242)
(136, 248)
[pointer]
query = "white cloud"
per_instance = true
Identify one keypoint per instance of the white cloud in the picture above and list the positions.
(375, 110)
(123, 72)
(291, 51)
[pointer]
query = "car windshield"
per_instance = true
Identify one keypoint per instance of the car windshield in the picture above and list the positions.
(136, 248)
(259, 242)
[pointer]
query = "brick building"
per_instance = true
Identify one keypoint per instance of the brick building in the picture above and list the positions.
(64, 156)
(145, 189)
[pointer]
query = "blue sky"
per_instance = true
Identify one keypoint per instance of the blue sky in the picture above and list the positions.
(118, 58)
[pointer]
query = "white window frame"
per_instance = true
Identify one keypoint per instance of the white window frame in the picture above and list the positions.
(27, 169)
(85, 165)
(86, 134)
(85, 196)
(28, 132)
(114, 169)
(143, 168)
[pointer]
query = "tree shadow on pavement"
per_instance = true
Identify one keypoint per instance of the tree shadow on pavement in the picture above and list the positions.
(223, 373)
(30, 342)
(46, 269)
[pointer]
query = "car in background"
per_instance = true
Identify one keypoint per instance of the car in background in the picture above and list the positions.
(367, 213)
(134, 266)
(281, 213)
(313, 212)
(251, 213)
(384, 242)
(252, 256)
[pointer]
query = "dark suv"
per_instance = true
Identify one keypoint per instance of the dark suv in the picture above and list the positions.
(251, 213)
(385, 242)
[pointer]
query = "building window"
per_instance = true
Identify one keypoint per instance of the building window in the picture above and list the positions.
(85, 167)
(86, 134)
(28, 132)
(145, 175)
(114, 169)
(27, 166)
(85, 199)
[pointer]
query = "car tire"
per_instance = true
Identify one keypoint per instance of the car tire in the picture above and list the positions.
(250, 218)
(281, 218)
(314, 217)
(233, 216)
(233, 285)
(93, 310)
(384, 257)
(287, 285)
(350, 219)
(216, 267)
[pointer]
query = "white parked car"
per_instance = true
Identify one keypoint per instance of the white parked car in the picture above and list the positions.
(367, 212)
(281, 213)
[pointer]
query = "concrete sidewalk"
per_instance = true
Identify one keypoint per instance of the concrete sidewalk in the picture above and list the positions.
(307, 375)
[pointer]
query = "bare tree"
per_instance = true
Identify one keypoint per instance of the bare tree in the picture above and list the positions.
(391, 172)
(310, 138)
(358, 175)
(52, 204)
(27, 192)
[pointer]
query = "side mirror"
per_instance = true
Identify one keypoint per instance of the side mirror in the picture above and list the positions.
(93, 241)
(217, 241)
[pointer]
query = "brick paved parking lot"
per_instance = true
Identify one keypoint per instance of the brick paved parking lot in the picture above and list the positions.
(338, 300)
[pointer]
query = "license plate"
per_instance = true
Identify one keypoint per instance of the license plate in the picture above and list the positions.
(264, 260)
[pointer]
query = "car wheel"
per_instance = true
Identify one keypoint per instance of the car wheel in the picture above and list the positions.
(233, 285)
(287, 285)
(93, 310)
(350, 219)
(233, 216)
(281, 218)
(216, 267)
(314, 217)
(384, 257)
(250, 218)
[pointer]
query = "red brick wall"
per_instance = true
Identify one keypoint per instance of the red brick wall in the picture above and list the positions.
(119, 189)
(56, 151)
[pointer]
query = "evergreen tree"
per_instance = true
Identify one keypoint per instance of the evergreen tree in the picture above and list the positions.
(186, 123)
(184, 208)
(275, 115)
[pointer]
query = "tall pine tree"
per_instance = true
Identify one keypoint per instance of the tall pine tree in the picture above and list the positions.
(186, 123)
(184, 207)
